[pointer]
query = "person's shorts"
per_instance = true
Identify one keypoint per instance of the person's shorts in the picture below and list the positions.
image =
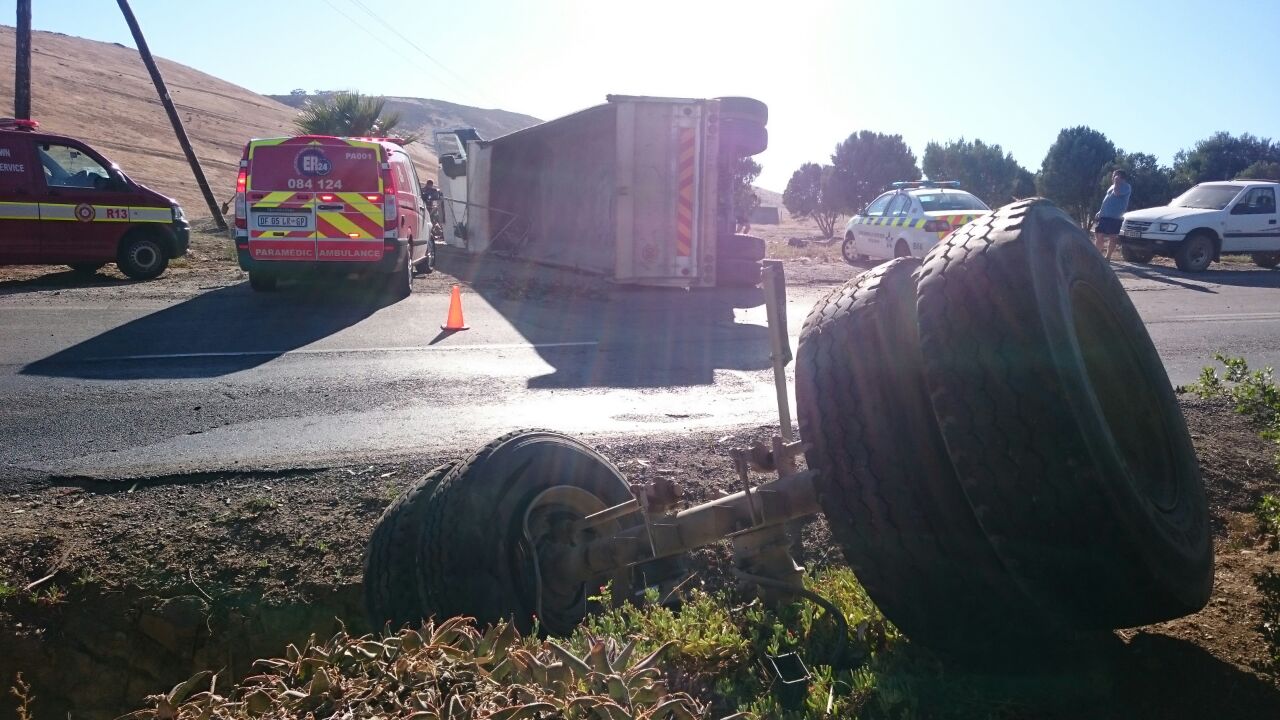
(1107, 226)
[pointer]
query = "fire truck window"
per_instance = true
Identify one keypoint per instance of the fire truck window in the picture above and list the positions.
(68, 167)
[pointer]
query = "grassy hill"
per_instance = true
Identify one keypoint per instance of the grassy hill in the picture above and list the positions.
(423, 115)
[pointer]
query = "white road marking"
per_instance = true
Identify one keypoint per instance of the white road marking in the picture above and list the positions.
(1224, 317)
(339, 351)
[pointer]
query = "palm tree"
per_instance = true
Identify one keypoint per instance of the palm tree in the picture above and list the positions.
(348, 114)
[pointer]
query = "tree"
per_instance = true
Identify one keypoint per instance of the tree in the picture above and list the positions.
(864, 165)
(1152, 184)
(298, 92)
(348, 115)
(984, 170)
(1221, 157)
(810, 193)
(1072, 169)
(745, 201)
(1262, 170)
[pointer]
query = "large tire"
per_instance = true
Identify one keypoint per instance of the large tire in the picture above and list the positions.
(1134, 255)
(741, 247)
(744, 108)
(262, 280)
(1194, 253)
(885, 481)
(740, 138)
(738, 273)
(473, 559)
(142, 256)
(88, 269)
(390, 560)
(1266, 260)
(1060, 420)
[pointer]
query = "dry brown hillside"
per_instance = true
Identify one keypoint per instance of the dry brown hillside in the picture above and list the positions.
(101, 93)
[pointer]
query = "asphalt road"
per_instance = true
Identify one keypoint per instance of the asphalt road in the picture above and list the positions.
(128, 384)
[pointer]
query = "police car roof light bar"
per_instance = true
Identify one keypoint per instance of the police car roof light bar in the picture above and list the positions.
(953, 184)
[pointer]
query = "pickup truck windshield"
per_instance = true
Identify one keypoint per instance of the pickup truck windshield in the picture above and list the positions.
(1208, 197)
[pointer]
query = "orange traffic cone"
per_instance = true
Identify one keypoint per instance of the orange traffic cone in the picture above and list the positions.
(455, 321)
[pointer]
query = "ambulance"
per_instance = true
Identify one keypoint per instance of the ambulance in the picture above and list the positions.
(63, 203)
(331, 206)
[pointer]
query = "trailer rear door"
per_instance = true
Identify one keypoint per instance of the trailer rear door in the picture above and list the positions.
(660, 176)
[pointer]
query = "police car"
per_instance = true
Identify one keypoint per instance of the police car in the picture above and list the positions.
(908, 220)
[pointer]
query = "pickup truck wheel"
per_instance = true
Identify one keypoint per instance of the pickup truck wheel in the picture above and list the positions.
(390, 559)
(262, 280)
(1060, 421)
(1134, 255)
(142, 257)
(741, 247)
(86, 269)
(493, 520)
(885, 481)
(1194, 254)
(1266, 259)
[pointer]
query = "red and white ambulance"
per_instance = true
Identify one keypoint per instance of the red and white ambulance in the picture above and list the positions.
(63, 203)
(320, 204)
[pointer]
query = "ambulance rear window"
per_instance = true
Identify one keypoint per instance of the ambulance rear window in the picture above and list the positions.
(314, 167)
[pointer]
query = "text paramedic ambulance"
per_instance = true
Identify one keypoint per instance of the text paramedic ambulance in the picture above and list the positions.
(326, 204)
(62, 203)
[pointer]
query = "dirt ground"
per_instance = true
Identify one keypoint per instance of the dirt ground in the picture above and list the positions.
(297, 539)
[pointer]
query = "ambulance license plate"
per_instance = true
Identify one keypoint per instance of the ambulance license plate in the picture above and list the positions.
(285, 221)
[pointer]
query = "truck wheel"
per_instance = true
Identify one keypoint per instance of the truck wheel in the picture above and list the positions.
(902, 249)
(1060, 421)
(1266, 259)
(142, 257)
(740, 138)
(744, 108)
(1194, 254)
(738, 273)
(885, 481)
(475, 557)
(1134, 255)
(741, 247)
(262, 280)
(849, 250)
(86, 269)
(390, 559)
(427, 263)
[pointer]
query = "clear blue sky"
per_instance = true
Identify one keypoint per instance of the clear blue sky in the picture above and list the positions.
(1154, 76)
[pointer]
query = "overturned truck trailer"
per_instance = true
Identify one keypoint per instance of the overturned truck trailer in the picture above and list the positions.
(639, 189)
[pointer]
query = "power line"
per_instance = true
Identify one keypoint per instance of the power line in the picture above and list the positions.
(375, 35)
(415, 46)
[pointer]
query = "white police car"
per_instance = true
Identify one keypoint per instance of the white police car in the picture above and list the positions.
(908, 220)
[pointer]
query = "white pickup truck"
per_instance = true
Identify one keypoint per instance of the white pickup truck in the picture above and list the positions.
(1206, 222)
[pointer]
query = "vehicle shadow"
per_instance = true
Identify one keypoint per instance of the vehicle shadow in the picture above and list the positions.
(597, 334)
(61, 278)
(1236, 277)
(216, 333)
(1151, 676)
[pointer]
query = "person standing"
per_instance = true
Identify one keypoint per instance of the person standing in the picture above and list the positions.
(1106, 227)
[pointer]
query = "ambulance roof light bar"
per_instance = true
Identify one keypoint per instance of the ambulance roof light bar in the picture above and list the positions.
(14, 124)
(953, 184)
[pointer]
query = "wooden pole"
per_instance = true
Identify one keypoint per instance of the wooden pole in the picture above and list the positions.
(173, 113)
(22, 66)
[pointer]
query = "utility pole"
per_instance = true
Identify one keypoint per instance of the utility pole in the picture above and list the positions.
(22, 67)
(173, 113)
